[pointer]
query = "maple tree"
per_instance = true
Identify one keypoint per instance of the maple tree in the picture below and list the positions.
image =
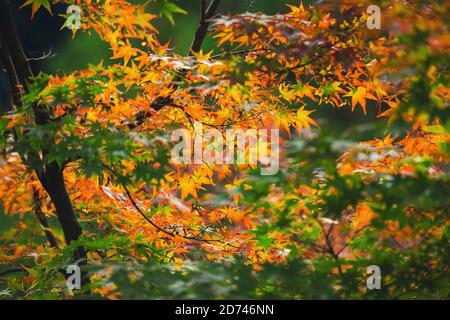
(91, 149)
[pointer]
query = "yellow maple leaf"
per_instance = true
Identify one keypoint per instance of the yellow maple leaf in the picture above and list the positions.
(303, 120)
(359, 96)
(187, 187)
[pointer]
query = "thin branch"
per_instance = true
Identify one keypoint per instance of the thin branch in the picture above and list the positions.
(15, 270)
(202, 10)
(350, 240)
(43, 220)
(196, 45)
(15, 87)
(327, 236)
(48, 55)
(136, 206)
(239, 52)
(202, 28)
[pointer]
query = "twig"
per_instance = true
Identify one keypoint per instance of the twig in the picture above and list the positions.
(44, 56)
(239, 52)
(136, 206)
(202, 28)
(330, 245)
(8, 64)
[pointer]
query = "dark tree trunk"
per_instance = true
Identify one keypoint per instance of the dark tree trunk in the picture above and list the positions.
(52, 180)
(50, 175)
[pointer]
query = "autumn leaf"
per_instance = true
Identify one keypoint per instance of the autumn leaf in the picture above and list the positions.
(124, 51)
(358, 96)
(36, 5)
(187, 186)
(87, 174)
(303, 120)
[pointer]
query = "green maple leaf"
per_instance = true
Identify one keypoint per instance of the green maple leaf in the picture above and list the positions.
(167, 9)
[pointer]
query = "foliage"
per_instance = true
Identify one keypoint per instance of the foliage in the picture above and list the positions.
(346, 197)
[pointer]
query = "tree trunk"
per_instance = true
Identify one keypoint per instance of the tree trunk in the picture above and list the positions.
(50, 175)
(52, 180)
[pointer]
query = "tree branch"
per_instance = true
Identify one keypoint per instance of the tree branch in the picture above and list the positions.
(202, 28)
(200, 34)
(51, 174)
(11, 40)
(139, 210)
(8, 64)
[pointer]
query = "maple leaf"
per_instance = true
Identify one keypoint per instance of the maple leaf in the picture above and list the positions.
(196, 111)
(105, 116)
(168, 9)
(36, 5)
(363, 216)
(297, 10)
(187, 186)
(302, 90)
(303, 120)
(143, 19)
(358, 96)
(236, 183)
(287, 94)
(285, 118)
(125, 51)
